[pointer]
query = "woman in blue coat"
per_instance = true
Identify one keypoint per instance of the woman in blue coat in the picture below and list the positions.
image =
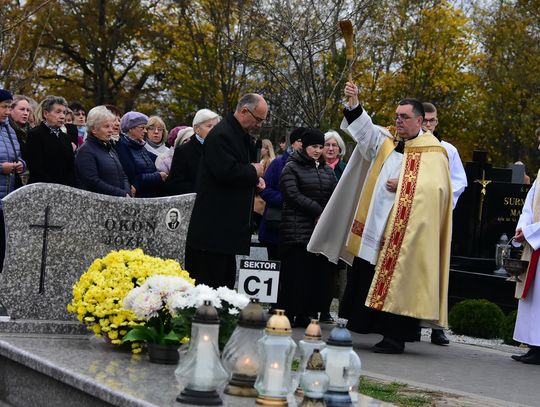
(97, 165)
(11, 164)
(137, 161)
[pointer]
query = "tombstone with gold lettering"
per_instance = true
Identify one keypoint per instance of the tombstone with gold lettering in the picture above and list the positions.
(54, 233)
(489, 207)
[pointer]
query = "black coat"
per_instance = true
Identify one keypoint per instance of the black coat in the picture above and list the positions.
(50, 158)
(99, 170)
(184, 168)
(220, 222)
(306, 190)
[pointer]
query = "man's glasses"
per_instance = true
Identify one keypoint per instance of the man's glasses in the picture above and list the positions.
(152, 129)
(259, 120)
(430, 121)
(402, 117)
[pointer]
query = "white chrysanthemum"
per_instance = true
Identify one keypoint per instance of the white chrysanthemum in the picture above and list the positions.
(128, 299)
(178, 301)
(166, 285)
(232, 297)
(201, 293)
(146, 305)
(234, 311)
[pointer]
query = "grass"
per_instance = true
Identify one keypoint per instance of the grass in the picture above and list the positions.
(397, 393)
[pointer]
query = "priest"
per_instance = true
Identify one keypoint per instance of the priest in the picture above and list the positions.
(396, 238)
(527, 329)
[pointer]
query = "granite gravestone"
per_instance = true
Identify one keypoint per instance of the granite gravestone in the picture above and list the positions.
(55, 232)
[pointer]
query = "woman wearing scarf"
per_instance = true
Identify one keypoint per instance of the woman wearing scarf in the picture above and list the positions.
(137, 161)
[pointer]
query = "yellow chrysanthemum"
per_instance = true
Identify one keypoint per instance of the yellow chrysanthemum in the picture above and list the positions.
(99, 293)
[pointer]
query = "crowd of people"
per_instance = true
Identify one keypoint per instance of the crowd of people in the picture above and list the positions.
(372, 218)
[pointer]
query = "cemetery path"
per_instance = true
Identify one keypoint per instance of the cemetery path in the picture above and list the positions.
(471, 375)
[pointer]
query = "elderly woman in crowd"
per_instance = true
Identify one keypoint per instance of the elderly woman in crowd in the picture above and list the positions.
(97, 165)
(156, 132)
(164, 161)
(185, 162)
(49, 152)
(334, 151)
(21, 110)
(306, 185)
(137, 161)
(10, 161)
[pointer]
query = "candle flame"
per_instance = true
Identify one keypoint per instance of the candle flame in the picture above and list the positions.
(247, 361)
(274, 365)
(206, 338)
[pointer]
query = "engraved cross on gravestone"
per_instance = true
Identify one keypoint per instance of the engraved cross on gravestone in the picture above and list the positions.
(46, 227)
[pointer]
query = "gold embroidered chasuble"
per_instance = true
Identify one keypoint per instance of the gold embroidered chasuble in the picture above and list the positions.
(411, 275)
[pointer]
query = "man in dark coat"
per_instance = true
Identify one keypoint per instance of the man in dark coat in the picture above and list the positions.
(49, 152)
(220, 223)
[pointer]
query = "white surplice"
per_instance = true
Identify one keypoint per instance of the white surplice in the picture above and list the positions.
(458, 178)
(369, 137)
(527, 328)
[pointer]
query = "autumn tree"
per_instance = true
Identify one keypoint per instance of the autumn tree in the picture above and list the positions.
(509, 32)
(302, 64)
(199, 62)
(97, 50)
(426, 51)
(17, 52)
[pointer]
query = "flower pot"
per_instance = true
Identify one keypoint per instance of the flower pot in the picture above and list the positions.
(164, 354)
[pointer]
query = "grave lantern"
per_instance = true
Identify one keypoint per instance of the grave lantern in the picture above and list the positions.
(240, 355)
(502, 251)
(314, 381)
(342, 366)
(200, 369)
(312, 340)
(276, 350)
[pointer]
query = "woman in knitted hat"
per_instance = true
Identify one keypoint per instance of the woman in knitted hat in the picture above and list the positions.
(137, 161)
(306, 184)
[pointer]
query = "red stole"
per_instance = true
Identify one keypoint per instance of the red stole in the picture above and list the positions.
(531, 271)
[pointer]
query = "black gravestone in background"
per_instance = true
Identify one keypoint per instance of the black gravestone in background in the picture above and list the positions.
(489, 207)
(502, 207)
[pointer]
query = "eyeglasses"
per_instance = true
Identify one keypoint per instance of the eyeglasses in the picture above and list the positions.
(259, 120)
(403, 117)
(140, 127)
(430, 121)
(152, 129)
